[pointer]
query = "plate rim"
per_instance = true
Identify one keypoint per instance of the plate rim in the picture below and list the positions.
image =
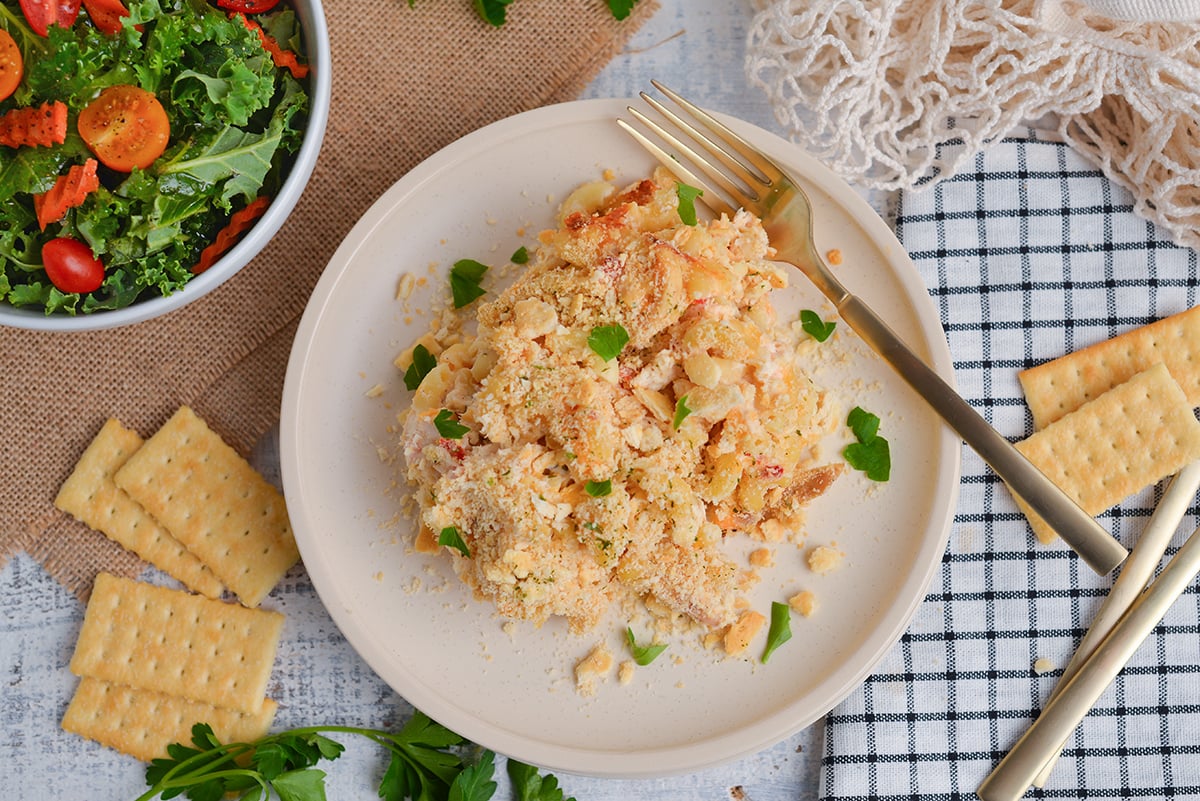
(672, 760)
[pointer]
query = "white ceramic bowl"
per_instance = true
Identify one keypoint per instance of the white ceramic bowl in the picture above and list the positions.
(316, 42)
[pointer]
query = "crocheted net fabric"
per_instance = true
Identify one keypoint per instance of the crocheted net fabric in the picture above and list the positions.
(898, 94)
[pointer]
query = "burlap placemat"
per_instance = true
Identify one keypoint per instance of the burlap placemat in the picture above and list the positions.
(406, 81)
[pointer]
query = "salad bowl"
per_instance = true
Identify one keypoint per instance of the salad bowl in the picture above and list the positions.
(31, 297)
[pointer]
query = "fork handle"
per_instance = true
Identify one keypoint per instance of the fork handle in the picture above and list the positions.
(1077, 528)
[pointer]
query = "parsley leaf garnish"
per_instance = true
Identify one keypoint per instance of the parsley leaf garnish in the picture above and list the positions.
(815, 327)
(448, 426)
(598, 489)
(475, 783)
(519, 256)
(453, 539)
(493, 11)
(425, 764)
(422, 362)
(864, 424)
(620, 8)
(465, 277)
(682, 410)
(871, 453)
(529, 785)
(606, 341)
(687, 202)
(643, 654)
(780, 630)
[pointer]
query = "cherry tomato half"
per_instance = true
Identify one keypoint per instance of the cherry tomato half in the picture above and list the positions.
(106, 14)
(71, 266)
(12, 65)
(125, 127)
(247, 6)
(41, 14)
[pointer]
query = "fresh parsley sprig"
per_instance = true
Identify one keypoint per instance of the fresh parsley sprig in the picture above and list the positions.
(452, 539)
(422, 362)
(426, 763)
(780, 630)
(814, 326)
(643, 654)
(495, 12)
(529, 785)
(871, 453)
(465, 278)
(598, 489)
(606, 341)
(448, 426)
(687, 202)
(682, 411)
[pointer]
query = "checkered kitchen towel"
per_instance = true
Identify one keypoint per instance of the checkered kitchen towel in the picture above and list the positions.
(1031, 255)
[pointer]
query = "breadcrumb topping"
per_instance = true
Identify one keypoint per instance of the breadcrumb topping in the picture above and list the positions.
(583, 481)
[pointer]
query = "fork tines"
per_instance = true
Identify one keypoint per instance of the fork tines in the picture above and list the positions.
(754, 171)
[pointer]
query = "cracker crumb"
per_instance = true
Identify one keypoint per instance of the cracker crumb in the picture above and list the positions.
(625, 672)
(804, 603)
(1042, 665)
(591, 668)
(762, 557)
(824, 559)
(742, 632)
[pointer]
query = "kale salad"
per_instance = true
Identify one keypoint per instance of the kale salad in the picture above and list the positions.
(138, 142)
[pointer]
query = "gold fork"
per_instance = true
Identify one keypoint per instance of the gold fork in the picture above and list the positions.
(756, 183)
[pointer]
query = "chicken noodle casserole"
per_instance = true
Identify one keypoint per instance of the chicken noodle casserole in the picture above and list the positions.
(586, 478)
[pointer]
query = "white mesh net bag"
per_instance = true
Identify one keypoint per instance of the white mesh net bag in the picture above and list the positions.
(897, 94)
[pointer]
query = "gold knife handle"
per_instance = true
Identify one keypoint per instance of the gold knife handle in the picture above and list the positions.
(1016, 772)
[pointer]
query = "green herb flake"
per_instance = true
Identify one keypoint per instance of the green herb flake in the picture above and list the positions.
(519, 256)
(493, 12)
(529, 785)
(448, 426)
(465, 278)
(780, 630)
(871, 453)
(620, 8)
(598, 489)
(643, 654)
(682, 410)
(815, 327)
(606, 341)
(687, 202)
(422, 362)
(451, 538)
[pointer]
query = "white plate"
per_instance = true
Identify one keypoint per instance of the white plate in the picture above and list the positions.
(512, 691)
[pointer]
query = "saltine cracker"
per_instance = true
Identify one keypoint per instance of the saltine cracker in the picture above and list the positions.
(1125, 440)
(90, 495)
(142, 723)
(170, 641)
(1064, 384)
(215, 503)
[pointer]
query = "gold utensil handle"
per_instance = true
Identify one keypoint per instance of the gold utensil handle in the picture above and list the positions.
(1016, 772)
(1134, 576)
(1078, 529)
